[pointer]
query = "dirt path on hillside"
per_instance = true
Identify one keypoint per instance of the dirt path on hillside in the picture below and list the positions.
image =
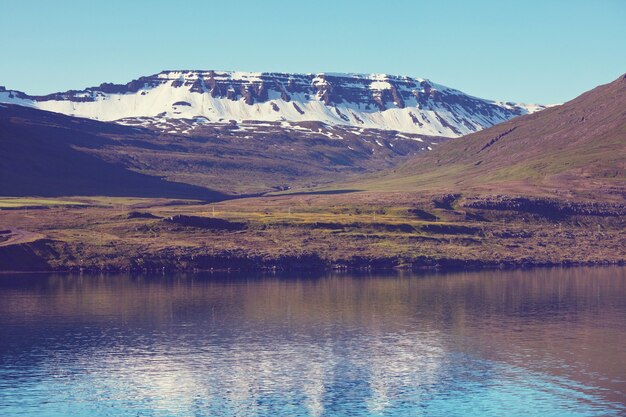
(16, 236)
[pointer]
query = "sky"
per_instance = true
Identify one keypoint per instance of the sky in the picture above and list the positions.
(545, 51)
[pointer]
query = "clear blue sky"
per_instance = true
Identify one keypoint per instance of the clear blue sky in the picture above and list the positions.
(542, 51)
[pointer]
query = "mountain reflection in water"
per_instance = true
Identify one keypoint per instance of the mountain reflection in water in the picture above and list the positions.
(539, 342)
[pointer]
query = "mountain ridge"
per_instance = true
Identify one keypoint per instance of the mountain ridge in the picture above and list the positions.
(379, 101)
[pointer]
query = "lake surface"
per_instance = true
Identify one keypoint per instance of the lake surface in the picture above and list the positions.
(547, 342)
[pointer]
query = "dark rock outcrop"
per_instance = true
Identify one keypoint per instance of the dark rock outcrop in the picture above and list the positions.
(211, 223)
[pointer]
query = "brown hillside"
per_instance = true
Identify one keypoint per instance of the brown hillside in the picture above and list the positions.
(578, 147)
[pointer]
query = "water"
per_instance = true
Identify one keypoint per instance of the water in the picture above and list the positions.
(519, 343)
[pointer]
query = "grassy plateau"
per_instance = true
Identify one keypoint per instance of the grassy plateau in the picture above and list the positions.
(352, 230)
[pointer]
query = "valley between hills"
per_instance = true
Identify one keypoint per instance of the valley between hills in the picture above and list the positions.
(547, 188)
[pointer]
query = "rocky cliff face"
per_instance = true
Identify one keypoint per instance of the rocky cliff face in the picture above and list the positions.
(375, 101)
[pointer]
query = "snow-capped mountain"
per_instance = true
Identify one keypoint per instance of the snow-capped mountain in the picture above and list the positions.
(375, 101)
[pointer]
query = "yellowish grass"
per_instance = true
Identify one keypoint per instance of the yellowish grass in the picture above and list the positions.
(15, 202)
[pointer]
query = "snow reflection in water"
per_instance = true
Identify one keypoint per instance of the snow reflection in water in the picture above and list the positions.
(543, 342)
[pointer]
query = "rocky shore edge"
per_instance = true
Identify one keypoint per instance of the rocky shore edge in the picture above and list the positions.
(38, 256)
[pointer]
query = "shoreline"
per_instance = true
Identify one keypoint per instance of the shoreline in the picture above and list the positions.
(448, 265)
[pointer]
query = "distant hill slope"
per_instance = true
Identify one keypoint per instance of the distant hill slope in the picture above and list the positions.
(49, 154)
(360, 101)
(40, 154)
(579, 146)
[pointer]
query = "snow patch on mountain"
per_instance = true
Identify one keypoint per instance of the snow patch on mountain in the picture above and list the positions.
(371, 101)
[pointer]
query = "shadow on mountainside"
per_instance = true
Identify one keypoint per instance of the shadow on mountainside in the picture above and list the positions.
(46, 154)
